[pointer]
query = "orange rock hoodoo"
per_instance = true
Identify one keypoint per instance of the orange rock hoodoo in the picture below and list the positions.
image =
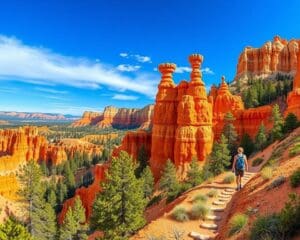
(182, 122)
(118, 117)
(273, 57)
(293, 100)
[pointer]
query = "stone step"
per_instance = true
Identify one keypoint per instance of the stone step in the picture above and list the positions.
(198, 236)
(226, 193)
(223, 199)
(217, 209)
(224, 196)
(229, 190)
(218, 203)
(211, 226)
(213, 218)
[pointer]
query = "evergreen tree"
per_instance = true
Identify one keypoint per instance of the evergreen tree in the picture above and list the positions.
(41, 216)
(74, 226)
(148, 182)
(277, 130)
(230, 132)
(143, 159)
(44, 168)
(105, 155)
(261, 137)
(118, 209)
(290, 123)
(220, 156)
(51, 198)
(194, 174)
(168, 181)
(12, 230)
(247, 144)
(69, 179)
(61, 191)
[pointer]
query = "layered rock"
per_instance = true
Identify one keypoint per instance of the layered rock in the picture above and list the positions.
(293, 100)
(118, 118)
(279, 56)
(86, 194)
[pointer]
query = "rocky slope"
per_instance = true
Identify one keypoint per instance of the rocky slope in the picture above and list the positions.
(118, 118)
(278, 56)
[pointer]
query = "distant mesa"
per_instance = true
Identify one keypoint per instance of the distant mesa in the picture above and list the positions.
(127, 118)
(35, 116)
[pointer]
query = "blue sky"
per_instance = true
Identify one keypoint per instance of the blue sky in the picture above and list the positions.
(70, 56)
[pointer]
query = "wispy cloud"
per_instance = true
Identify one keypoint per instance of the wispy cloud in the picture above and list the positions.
(137, 57)
(128, 68)
(125, 97)
(50, 90)
(8, 90)
(183, 69)
(207, 70)
(39, 65)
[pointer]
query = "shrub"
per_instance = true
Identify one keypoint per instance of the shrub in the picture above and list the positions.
(295, 178)
(276, 183)
(212, 193)
(200, 198)
(237, 223)
(180, 214)
(199, 211)
(257, 161)
(154, 200)
(295, 150)
(229, 178)
(266, 227)
(152, 237)
(267, 173)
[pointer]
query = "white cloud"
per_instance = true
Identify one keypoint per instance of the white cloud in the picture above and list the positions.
(8, 90)
(207, 70)
(38, 65)
(142, 59)
(124, 55)
(50, 90)
(124, 97)
(183, 69)
(128, 68)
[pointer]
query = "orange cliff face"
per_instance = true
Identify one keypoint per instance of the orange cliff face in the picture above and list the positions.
(86, 194)
(293, 100)
(273, 57)
(118, 117)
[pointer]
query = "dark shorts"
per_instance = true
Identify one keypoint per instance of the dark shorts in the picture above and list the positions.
(239, 172)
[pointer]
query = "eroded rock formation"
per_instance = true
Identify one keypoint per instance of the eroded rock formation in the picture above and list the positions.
(273, 57)
(118, 118)
(293, 100)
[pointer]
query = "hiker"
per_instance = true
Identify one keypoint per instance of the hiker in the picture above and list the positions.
(239, 166)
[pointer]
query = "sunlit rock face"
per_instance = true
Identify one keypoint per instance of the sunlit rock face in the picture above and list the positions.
(118, 118)
(278, 56)
(293, 100)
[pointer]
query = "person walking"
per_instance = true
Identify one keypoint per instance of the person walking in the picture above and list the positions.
(239, 166)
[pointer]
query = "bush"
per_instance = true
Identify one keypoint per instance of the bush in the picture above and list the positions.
(154, 200)
(200, 198)
(266, 227)
(212, 193)
(267, 173)
(180, 214)
(257, 161)
(295, 150)
(237, 223)
(295, 178)
(199, 211)
(229, 178)
(276, 183)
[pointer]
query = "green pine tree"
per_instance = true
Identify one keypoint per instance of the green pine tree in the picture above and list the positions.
(68, 228)
(290, 123)
(148, 182)
(118, 209)
(247, 144)
(220, 157)
(277, 130)
(142, 159)
(168, 181)
(261, 137)
(194, 174)
(41, 215)
(229, 132)
(12, 230)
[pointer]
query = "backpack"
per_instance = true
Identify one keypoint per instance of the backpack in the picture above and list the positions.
(240, 163)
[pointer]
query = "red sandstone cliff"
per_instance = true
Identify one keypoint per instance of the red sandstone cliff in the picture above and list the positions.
(273, 57)
(118, 117)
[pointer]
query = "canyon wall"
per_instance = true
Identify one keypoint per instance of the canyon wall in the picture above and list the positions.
(118, 118)
(278, 56)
